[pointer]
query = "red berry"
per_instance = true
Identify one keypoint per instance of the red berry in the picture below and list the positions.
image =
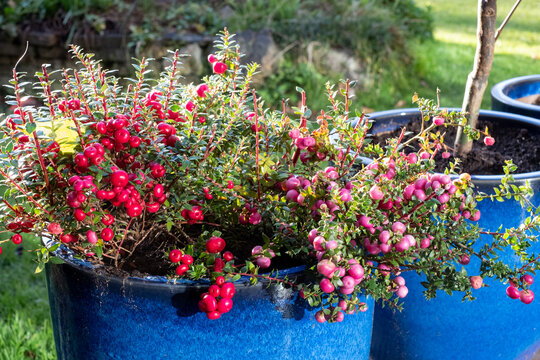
(220, 280)
(152, 207)
(119, 178)
(212, 58)
(214, 290)
(488, 140)
(158, 190)
(0, 250)
(107, 219)
(101, 127)
(219, 67)
(224, 305)
(17, 239)
(134, 141)
(175, 255)
(210, 302)
(190, 106)
(230, 184)
(187, 259)
(81, 160)
(181, 269)
(215, 245)
(213, 315)
(90, 152)
(122, 136)
(219, 264)
(107, 234)
(79, 215)
(227, 290)
(166, 129)
(228, 256)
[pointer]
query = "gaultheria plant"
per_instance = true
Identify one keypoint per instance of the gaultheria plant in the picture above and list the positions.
(204, 181)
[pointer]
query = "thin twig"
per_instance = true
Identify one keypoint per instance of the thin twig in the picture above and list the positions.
(22, 56)
(500, 29)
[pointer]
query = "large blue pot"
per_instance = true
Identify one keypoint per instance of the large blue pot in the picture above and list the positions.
(98, 316)
(504, 95)
(493, 326)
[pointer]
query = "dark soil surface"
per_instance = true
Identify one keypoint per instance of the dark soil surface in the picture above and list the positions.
(520, 145)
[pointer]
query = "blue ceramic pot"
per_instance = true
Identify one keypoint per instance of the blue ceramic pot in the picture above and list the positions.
(98, 316)
(493, 326)
(504, 95)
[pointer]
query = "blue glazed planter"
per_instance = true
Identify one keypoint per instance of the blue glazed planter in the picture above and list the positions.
(493, 326)
(97, 316)
(504, 95)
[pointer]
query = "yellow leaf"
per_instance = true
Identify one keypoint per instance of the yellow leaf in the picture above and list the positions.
(415, 98)
(66, 137)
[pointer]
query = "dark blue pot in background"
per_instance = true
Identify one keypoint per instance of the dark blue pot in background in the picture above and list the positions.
(97, 316)
(504, 95)
(493, 326)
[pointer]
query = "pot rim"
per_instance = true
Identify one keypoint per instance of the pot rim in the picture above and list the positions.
(478, 179)
(68, 256)
(499, 91)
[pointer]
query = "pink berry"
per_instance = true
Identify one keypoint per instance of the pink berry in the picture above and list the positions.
(319, 316)
(528, 279)
(398, 227)
(488, 140)
(201, 90)
(91, 236)
(375, 193)
(512, 292)
(212, 58)
(476, 282)
(438, 120)
(326, 268)
(526, 296)
(190, 106)
(356, 271)
(402, 291)
(465, 259)
(327, 286)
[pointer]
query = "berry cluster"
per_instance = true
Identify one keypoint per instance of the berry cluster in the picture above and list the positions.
(218, 299)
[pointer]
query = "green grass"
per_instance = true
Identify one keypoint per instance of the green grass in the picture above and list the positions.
(25, 324)
(446, 61)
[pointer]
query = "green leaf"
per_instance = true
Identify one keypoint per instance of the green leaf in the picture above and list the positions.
(30, 127)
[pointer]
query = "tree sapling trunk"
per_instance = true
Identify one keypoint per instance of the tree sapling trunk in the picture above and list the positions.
(478, 78)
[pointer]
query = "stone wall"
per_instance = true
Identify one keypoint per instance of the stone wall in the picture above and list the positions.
(112, 49)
